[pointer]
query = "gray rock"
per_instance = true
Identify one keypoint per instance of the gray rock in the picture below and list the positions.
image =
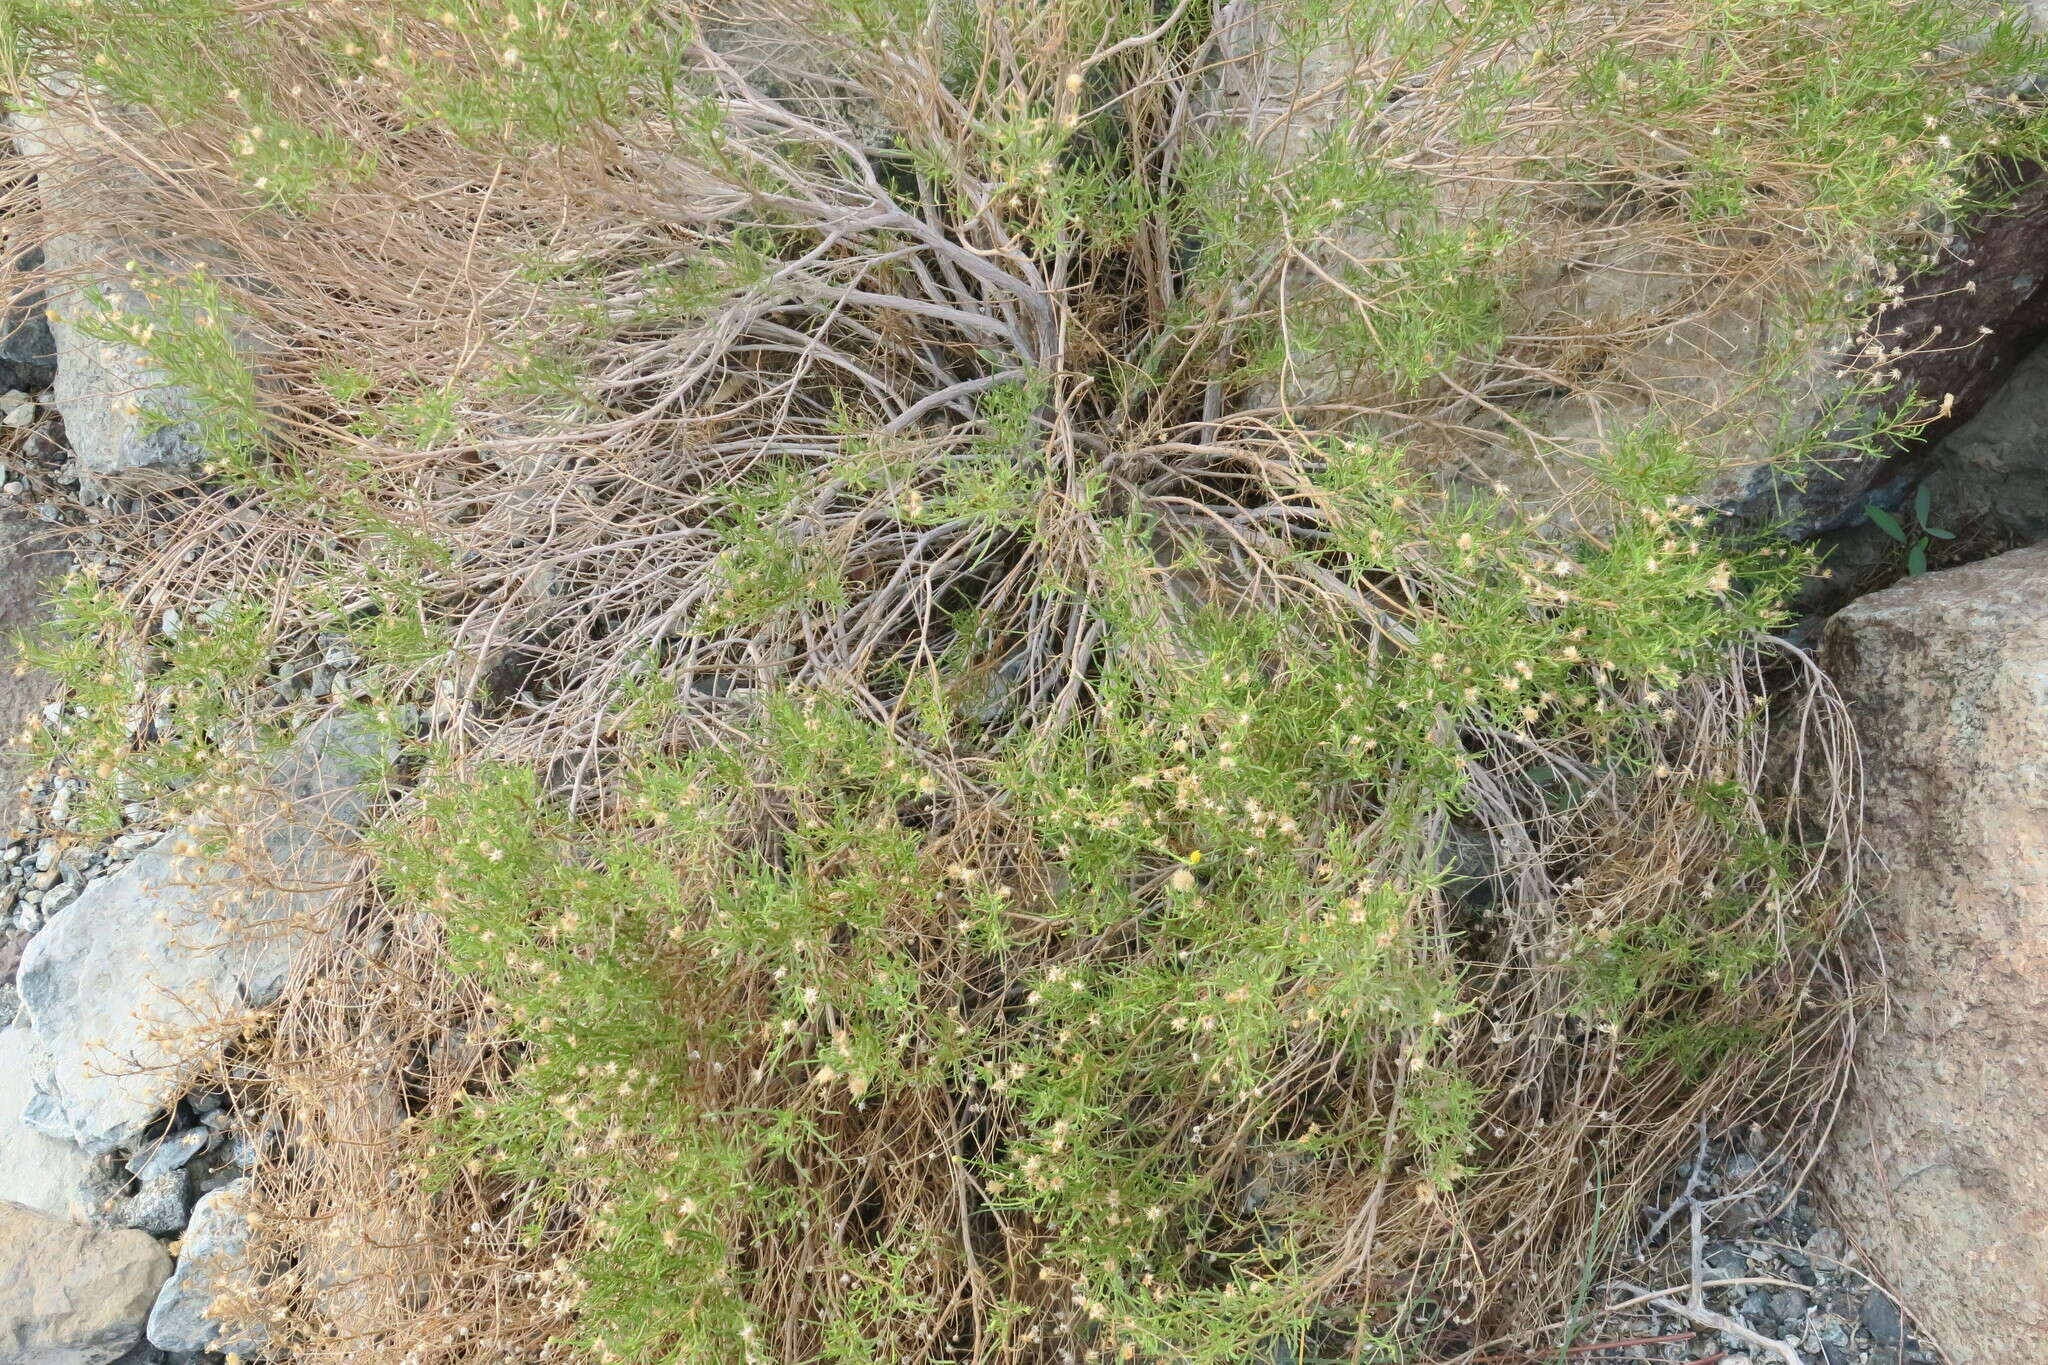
(142, 978)
(1789, 1307)
(211, 1278)
(129, 844)
(112, 1199)
(120, 412)
(12, 944)
(1990, 475)
(72, 1295)
(220, 1178)
(1840, 1301)
(113, 399)
(242, 1151)
(161, 1204)
(42, 1112)
(1881, 1319)
(171, 1154)
(28, 352)
(36, 1170)
(1728, 1262)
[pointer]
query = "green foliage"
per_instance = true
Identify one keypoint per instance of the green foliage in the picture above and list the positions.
(526, 71)
(1921, 538)
(544, 73)
(1068, 962)
(764, 966)
(148, 713)
(766, 565)
(185, 326)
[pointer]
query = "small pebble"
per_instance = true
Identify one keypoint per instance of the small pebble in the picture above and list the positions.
(1881, 1320)
(170, 1154)
(128, 845)
(1789, 1306)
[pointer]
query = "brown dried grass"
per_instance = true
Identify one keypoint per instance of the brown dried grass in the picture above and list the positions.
(580, 542)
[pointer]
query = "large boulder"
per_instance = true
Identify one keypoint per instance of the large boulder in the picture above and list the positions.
(44, 1173)
(71, 1295)
(197, 1307)
(111, 394)
(150, 972)
(124, 417)
(1943, 1152)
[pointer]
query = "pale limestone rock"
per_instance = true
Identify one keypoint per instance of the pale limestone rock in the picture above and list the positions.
(72, 1295)
(142, 977)
(107, 391)
(192, 1310)
(36, 1170)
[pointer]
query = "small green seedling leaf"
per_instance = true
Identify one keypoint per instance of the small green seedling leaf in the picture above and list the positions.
(1916, 558)
(1886, 522)
(1939, 534)
(1923, 501)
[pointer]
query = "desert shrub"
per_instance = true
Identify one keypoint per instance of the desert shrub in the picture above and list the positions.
(991, 785)
(1163, 1036)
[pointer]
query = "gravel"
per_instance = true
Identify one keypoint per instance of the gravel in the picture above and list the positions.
(1806, 1292)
